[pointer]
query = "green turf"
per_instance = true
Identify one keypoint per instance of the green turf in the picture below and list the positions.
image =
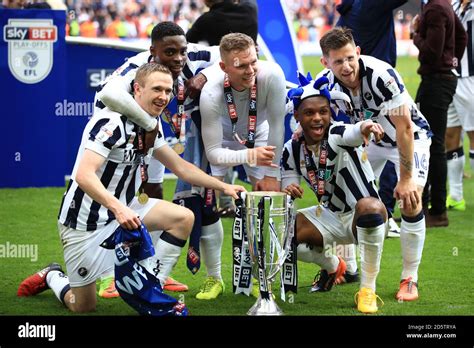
(28, 216)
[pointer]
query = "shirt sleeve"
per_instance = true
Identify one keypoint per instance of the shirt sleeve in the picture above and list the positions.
(341, 134)
(105, 134)
(289, 173)
(276, 108)
(390, 88)
(201, 57)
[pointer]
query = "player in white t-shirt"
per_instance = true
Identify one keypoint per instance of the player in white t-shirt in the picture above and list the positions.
(242, 109)
(101, 196)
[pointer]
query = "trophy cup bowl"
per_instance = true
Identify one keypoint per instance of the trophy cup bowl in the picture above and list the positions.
(267, 233)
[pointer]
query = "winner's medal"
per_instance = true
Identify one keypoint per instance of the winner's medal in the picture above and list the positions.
(178, 148)
(319, 210)
(364, 156)
(143, 198)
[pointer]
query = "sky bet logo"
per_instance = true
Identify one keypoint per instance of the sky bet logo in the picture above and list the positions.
(30, 33)
(30, 48)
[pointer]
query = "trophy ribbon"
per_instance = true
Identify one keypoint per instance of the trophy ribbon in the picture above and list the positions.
(289, 270)
(241, 265)
(262, 277)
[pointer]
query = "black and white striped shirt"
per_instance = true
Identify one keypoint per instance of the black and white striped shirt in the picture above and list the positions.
(112, 136)
(382, 89)
(466, 66)
(350, 178)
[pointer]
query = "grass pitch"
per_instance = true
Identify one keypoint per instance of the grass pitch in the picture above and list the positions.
(28, 217)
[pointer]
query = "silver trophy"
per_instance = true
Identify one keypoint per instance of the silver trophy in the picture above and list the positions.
(268, 225)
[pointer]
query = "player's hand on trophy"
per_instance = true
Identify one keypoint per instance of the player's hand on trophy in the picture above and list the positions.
(150, 137)
(232, 190)
(194, 85)
(367, 127)
(126, 217)
(268, 183)
(294, 190)
(406, 192)
(262, 156)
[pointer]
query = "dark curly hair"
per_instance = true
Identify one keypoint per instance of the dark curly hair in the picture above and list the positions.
(165, 29)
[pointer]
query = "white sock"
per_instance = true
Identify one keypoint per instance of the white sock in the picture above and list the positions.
(212, 238)
(324, 259)
(455, 173)
(371, 245)
(412, 237)
(167, 251)
(59, 283)
(350, 258)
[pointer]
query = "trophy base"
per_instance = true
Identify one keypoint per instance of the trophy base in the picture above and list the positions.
(265, 307)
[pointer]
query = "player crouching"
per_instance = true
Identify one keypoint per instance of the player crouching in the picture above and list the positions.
(329, 156)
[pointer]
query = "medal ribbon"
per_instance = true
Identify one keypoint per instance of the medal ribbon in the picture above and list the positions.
(141, 155)
(289, 270)
(177, 127)
(262, 277)
(317, 181)
(252, 118)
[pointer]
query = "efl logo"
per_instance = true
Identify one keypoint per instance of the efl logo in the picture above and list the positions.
(30, 48)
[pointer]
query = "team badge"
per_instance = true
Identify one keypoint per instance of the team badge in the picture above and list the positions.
(30, 48)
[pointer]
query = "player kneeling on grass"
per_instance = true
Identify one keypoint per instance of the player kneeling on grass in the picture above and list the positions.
(330, 158)
(101, 196)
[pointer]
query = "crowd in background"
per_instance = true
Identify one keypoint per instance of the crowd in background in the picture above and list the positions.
(136, 18)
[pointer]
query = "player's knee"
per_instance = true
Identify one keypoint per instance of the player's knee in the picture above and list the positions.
(187, 221)
(371, 205)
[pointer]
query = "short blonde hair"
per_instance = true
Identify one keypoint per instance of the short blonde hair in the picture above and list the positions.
(235, 42)
(147, 69)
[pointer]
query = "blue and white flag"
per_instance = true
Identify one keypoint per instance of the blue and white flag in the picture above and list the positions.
(136, 286)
